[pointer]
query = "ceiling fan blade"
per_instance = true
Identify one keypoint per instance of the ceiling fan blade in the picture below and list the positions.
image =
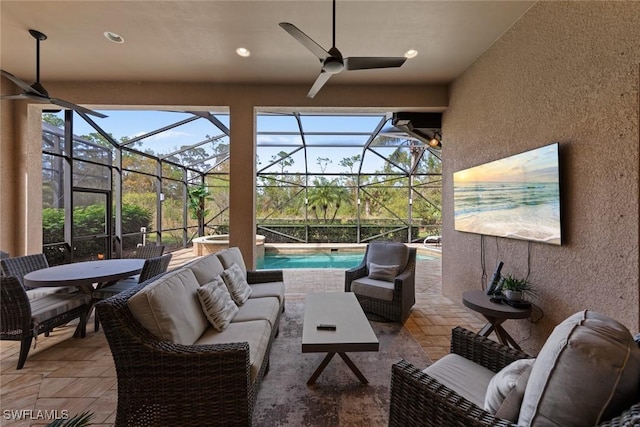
(369, 62)
(320, 81)
(20, 83)
(75, 107)
(305, 40)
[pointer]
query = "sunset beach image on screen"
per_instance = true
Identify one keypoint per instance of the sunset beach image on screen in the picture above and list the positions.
(516, 197)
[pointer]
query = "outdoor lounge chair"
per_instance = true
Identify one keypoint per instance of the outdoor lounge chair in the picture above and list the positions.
(24, 319)
(384, 282)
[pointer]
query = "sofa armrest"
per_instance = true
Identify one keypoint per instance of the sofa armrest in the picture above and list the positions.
(264, 276)
(420, 400)
(483, 351)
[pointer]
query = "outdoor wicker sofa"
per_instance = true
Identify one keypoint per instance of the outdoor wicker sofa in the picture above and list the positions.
(166, 383)
(419, 399)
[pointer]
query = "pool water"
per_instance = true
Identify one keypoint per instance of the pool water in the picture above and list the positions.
(344, 260)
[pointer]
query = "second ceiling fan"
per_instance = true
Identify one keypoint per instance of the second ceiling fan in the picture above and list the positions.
(332, 60)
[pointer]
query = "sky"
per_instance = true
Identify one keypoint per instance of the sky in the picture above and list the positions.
(135, 123)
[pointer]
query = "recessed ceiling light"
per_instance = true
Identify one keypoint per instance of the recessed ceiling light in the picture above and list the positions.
(411, 53)
(113, 37)
(244, 52)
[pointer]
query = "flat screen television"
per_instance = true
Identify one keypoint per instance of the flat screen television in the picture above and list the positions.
(516, 197)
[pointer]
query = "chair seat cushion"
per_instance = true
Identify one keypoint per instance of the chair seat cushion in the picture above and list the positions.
(377, 289)
(463, 376)
(266, 308)
(34, 293)
(169, 308)
(256, 333)
(587, 371)
(50, 306)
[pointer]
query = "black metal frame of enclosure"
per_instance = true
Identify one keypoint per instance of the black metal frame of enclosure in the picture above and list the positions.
(113, 189)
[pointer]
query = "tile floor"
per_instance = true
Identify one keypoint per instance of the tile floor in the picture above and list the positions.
(74, 375)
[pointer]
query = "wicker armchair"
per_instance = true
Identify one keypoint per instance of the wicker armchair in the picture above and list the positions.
(148, 251)
(420, 400)
(21, 265)
(152, 267)
(24, 319)
(401, 289)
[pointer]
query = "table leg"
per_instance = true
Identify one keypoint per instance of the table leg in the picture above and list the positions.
(346, 359)
(82, 326)
(354, 368)
(494, 325)
(320, 368)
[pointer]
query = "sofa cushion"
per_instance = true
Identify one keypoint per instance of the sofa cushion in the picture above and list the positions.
(217, 304)
(231, 256)
(206, 268)
(266, 308)
(268, 289)
(169, 308)
(237, 284)
(387, 273)
(463, 376)
(388, 253)
(586, 372)
(506, 390)
(378, 289)
(256, 333)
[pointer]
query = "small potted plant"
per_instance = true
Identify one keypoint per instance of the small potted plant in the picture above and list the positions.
(515, 289)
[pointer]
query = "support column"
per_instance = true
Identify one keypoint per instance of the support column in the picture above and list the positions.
(242, 177)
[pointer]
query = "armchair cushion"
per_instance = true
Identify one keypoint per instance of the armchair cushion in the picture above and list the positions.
(169, 308)
(237, 284)
(388, 253)
(383, 272)
(217, 304)
(378, 289)
(506, 390)
(206, 269)
(587, 371)
(463, 376)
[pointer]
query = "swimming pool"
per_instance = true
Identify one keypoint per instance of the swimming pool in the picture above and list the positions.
(321, 259)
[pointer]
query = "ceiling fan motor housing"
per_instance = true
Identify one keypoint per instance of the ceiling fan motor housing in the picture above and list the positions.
(333, 65)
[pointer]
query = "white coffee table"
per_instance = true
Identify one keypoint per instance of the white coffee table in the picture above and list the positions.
(353, 332)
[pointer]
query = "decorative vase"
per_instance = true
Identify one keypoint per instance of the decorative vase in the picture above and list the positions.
(513, 295)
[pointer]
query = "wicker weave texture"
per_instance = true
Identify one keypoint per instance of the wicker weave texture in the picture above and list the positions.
(21, 265)
(420, 400)
(17, 323)
(404, 294)
(166, 384)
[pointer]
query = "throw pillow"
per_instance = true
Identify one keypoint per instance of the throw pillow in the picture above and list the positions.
(383, 272)
(217, 304)
(506, 390)
(236, 283)
(586, 372)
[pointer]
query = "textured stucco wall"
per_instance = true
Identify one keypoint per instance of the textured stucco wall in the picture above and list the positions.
(567, 72)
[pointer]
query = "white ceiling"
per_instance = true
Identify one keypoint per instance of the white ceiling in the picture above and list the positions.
(195, 41)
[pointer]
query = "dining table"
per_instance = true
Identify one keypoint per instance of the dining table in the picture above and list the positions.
(86, 276)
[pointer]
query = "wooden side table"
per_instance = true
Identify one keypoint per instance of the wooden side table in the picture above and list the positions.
(496, 314)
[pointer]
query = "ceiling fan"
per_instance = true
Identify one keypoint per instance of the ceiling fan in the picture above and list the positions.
(332, 60)
(36, 91)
